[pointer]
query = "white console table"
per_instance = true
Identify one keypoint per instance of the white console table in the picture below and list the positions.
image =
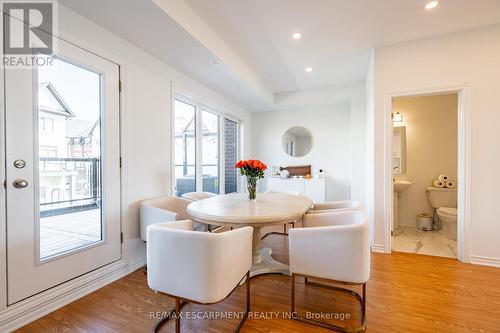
(313, 188)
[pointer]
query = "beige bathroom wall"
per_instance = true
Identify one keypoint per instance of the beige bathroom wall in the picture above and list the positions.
(431, 148)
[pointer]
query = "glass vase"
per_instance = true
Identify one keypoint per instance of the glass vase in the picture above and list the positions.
(252, 183)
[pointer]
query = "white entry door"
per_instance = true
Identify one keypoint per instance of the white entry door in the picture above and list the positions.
(62, 170)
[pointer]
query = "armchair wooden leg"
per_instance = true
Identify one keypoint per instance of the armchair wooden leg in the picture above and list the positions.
(247, 306)
(361, 299)
(248, 293)
(363, 307)
(179, 304)
(177, 316)
(284, 233)
(176, 311)
(292, 314)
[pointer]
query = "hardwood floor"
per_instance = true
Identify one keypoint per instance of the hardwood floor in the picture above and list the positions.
(406, 293)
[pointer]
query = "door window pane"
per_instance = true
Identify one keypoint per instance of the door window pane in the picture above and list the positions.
(231, 155)
(210, 151)
(184, 147)
(69, 150)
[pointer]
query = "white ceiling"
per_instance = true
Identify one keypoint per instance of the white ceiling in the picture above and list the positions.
(337, 34)
(145, 25)
(263, 59)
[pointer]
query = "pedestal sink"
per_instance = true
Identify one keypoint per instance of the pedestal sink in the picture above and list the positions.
(399, 186)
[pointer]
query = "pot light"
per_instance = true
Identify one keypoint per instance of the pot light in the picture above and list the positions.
(215, 62)
(297, 35)
(431, 5)
(309, 69)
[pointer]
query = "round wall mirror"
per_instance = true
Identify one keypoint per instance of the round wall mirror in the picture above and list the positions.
(297, 141)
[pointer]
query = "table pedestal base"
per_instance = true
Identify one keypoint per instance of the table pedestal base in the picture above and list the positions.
(268, 265)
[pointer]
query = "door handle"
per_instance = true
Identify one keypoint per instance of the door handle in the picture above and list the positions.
(20, 183)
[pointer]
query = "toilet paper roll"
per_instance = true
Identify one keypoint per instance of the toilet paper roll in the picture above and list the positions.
(450, 184)
(443, 178)
(438, 183)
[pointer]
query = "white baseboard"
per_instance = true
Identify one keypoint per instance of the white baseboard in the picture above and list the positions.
(485, 261)
(24, 312)
(378, 248)
(135, 250)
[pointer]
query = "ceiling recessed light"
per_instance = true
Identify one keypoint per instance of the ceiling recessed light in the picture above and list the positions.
(215, 62)
(309, 69)
(297, 35)
(431, 5)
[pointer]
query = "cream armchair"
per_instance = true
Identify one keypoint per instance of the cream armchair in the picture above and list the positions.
(272, 230)
(336, 206)
(164, 209)
(197, 267)
(333, 246)
(193, 196)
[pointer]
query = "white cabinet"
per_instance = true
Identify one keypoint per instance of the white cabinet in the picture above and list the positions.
(312, 188)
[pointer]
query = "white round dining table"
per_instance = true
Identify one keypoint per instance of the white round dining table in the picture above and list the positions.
(236, 210)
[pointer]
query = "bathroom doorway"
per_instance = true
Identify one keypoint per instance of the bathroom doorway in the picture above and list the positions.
(427, 161)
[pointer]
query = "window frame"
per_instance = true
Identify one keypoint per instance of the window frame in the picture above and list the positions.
(199, 108)
(238, 148)
(172, 137)
(48, 150)
(44, 121)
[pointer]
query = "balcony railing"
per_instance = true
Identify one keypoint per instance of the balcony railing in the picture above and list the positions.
(69, 185)
(187, 182)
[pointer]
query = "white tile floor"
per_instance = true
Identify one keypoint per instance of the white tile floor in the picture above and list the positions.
(412, 240)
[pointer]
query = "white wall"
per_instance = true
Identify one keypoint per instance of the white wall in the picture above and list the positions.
(308, 100)
(358, 145)
(431, 124)
(331, 151)
(370, 164)
(147, 109)
(471, 58)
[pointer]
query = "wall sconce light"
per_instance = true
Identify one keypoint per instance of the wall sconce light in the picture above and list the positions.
(397, 117)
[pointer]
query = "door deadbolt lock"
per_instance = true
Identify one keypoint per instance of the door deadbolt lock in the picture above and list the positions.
(19, 164)
(20, 183)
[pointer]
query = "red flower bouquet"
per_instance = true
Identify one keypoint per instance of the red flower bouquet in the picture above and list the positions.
(253, 170)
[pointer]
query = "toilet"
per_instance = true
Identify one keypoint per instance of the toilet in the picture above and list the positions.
(448, 218)
(444, 201)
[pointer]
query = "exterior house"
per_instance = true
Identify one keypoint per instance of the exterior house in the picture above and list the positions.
(53, 115)
(68, 153)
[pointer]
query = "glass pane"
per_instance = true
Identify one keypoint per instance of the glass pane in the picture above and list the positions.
(69, 149)
(231, 155)
(210, 151)
(184, 147)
